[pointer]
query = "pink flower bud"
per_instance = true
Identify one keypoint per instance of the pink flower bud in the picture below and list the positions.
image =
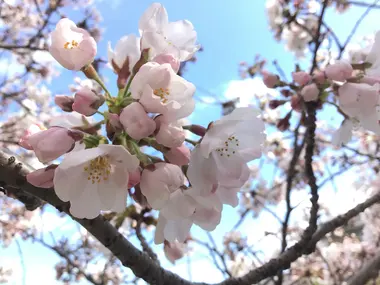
(178, 155)
(310, 92)
(157, 184)
(134, 178)
(286, 92)
(273, 104)
(270, 80)
(296, 103)
(64, 102)
(319, 77)
(174, 251)
(339, 71)
(114, 120)
(170, 134)
(52, 143)
(301, 78)
(284, 123)
(136, 121)
(86, 102)
(33, 129)
(42, 178)
(167, 58)
(198, 130)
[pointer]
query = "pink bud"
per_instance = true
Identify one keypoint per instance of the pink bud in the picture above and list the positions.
(86, 102)
(198, 130)
(114, 120)
(178, 155)
(134, 178)
(270, 80)
(136, 121)
(42, 178)
(301, 78)
(273, 104)
(157, 184)
(170, 134)
(310, 92)
(52, 143)
(167, 58)
(33, 129)
(174, 251)
(284, 123)
(296, 103)
(64, 102)
(339, 71)
(320, 77)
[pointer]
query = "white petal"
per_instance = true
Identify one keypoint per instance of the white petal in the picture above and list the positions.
(343, 135)
(177, 230)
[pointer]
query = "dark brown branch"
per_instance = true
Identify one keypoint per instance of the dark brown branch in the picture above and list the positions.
(367, 272)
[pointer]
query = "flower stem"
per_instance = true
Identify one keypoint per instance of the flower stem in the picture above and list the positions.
(91, 73)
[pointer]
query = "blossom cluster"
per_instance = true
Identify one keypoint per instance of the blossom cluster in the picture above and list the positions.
(96, 172)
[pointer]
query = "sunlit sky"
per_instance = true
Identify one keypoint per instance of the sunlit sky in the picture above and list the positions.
(230, 32)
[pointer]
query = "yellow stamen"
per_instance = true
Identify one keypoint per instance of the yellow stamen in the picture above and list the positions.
(98, 169)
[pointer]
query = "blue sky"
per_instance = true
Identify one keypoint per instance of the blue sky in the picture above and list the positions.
(230, 31)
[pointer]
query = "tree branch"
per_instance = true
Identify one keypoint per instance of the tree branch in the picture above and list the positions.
(368, 271)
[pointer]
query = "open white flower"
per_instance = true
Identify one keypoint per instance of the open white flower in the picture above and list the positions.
(163, 37)
(361, 103)
(220, 159)
(162, 91)
(95, 179)
(71, 46)
(128, 47)
(180, 213)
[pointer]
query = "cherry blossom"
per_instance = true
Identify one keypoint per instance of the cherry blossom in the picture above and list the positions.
(52, 143)
(361, 102)
(126, 54)
(136, 122)
(71, 46)
(169, 134)
(95, 179)
(163, 37)
(158, 183)
(86, 102)
(162, 91)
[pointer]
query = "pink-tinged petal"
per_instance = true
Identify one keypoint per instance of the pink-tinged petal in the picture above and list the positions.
(179, 155)
(207, 219)
(155, 18)
(177, 230)
(167, 58)
(158, 184)
(136, 122)
(51, 144)
(169, 134)
(87, 205)
(160, 227)
(174, 251)
(41, 178)
(179, 206)
(343, 135)
(228, 196)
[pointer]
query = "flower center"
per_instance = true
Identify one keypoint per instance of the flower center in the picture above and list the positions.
(162, 93)
(71, 45)
(231, 145)
(98, 169)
